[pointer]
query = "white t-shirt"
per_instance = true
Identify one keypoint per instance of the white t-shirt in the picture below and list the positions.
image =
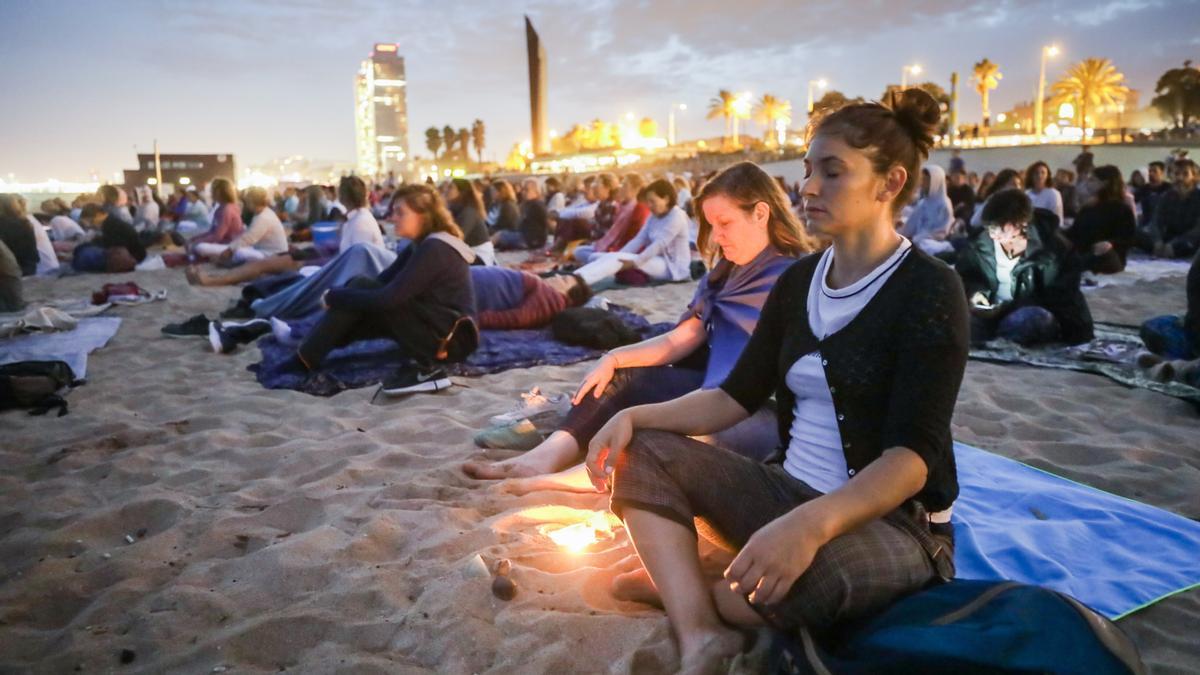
(47, 258)
(814, 454)
(1004, 270)
(360, 228)
(1049, 199)
(63, 228)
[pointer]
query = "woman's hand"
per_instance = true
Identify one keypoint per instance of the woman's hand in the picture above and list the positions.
(775, 557)
(606, 445)
(597, 378)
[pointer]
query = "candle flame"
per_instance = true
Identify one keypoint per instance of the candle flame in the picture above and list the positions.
(576, 538)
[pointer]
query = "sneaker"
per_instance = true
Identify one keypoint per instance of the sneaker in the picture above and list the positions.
(413, 379)
(238, 310)
(520, 435)
(532, 404)
(195, 327)
(225, 337)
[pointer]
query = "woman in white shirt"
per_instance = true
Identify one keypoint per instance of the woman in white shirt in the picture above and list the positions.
(265, 236)
(1041, 193)
(660, 248)
(360, 226)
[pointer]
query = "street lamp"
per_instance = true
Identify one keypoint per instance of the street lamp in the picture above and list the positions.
(1047, 52)
(671, 121)
(915, 69)
(741, 108)
(820, 84)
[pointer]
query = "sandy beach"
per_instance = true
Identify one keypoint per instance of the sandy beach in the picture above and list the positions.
(272, 530)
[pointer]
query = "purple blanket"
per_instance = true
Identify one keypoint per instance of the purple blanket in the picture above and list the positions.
(367, 362)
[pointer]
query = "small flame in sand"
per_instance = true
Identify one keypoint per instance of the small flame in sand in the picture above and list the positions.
(576, 538)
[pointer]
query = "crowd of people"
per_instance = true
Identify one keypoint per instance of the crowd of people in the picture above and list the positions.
(836, 313)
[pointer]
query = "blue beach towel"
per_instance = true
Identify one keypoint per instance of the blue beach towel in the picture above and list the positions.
(368, 362)
(1012, 521)
(71, 346)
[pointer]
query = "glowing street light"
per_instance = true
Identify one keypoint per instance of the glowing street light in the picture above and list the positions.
(820, 84)
(671, 121)
(1047, 52)
(741, 110)
(915, 69)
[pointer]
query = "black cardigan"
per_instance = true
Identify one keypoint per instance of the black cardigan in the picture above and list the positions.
(893, 371)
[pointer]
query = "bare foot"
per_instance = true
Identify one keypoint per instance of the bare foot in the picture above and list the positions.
(574, 479)
(709, 653)
(509, 468)
(553, 454)
(636, 586)
(193, 275)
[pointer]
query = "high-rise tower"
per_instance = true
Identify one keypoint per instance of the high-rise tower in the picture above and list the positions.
(381, 112)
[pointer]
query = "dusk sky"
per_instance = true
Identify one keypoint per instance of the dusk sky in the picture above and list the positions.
(275, 78)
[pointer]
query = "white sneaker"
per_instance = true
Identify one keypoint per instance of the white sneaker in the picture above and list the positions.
(532, 403)
(281, 330)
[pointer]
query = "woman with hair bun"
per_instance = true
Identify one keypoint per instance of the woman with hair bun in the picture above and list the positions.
(864, 347)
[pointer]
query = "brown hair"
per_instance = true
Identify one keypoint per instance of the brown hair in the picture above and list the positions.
(223, 192)
(504, 191)
(746, 184)
(609, 182)
(468, 196)
(1032, 170)
(898, 133)
(255, 198)
(427, 203)
(12, 206)
(635, 181)
(1112, 185)
(352, 192)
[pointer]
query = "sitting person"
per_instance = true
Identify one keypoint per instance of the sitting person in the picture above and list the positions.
(1173, 337)
(1023, 281)
(857, 513)
(11, 298)
(532, 227)
(227, 222)
(265, 237)
(17, 235)
(576, 222)
(360, 226)
(928, 226)
(47, 256)
(1007, 179)
(746, 223)
(660, 250)
(504, 204)
(467, 208)
(62, 228)
(1041, 193)
(630, 217)
(1105, 227)
(1175, 229)
(1064, 182)
(961, 194)
(116, 248)
(421, 301)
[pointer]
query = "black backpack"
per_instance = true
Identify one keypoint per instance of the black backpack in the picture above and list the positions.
(37, 385)
(592, 327)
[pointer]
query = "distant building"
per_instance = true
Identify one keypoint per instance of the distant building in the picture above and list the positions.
(537, 90)
(381, 113)
(180, 170)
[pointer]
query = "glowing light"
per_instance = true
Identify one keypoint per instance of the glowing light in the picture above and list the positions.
(576, 538)
(184, 180)
(1066, 111)
(1052, 50)
(1001, 117)
(683, 106)
(389, 83)
(629, 116)
(151, 181)
(385, 48)
(741, 104)
(459, 173)
(822, 83)
(447, 173)
(1052, 129)
(915, 69)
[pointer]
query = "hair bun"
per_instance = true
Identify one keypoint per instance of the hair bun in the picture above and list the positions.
(919, 114)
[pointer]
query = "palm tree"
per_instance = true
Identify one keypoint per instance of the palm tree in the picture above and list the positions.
(464, 143)
(433, 141)
(987, 77)
(478, 134)
(724, 105)
(1090, 84)
(769, 111)
(449, 135)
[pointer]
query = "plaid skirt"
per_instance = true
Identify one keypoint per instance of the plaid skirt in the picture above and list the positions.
(726, 498)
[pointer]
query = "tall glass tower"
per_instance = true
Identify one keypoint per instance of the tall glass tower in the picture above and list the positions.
(381, 113)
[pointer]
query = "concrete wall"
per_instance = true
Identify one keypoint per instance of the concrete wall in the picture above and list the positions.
(1126, 157)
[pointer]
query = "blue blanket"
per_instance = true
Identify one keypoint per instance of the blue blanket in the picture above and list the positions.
(367, 362)
(71, 346)
(1117, 556)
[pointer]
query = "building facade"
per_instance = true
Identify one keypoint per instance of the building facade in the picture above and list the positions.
(381, 113)
(180, 170)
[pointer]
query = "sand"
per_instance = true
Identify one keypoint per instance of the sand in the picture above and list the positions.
(272, 530)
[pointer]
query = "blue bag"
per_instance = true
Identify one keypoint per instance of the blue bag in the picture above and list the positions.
(968, 627)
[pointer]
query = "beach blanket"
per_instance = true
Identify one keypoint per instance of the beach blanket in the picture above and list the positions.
(1013, 521)
(368, 362)
(71, 346)
(1111, 354)
(1138, 267)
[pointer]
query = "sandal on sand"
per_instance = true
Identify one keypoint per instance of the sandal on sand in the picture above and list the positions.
(519, 435)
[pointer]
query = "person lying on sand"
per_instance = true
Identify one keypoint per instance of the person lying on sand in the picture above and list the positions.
(746, 223)
(864, 348)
